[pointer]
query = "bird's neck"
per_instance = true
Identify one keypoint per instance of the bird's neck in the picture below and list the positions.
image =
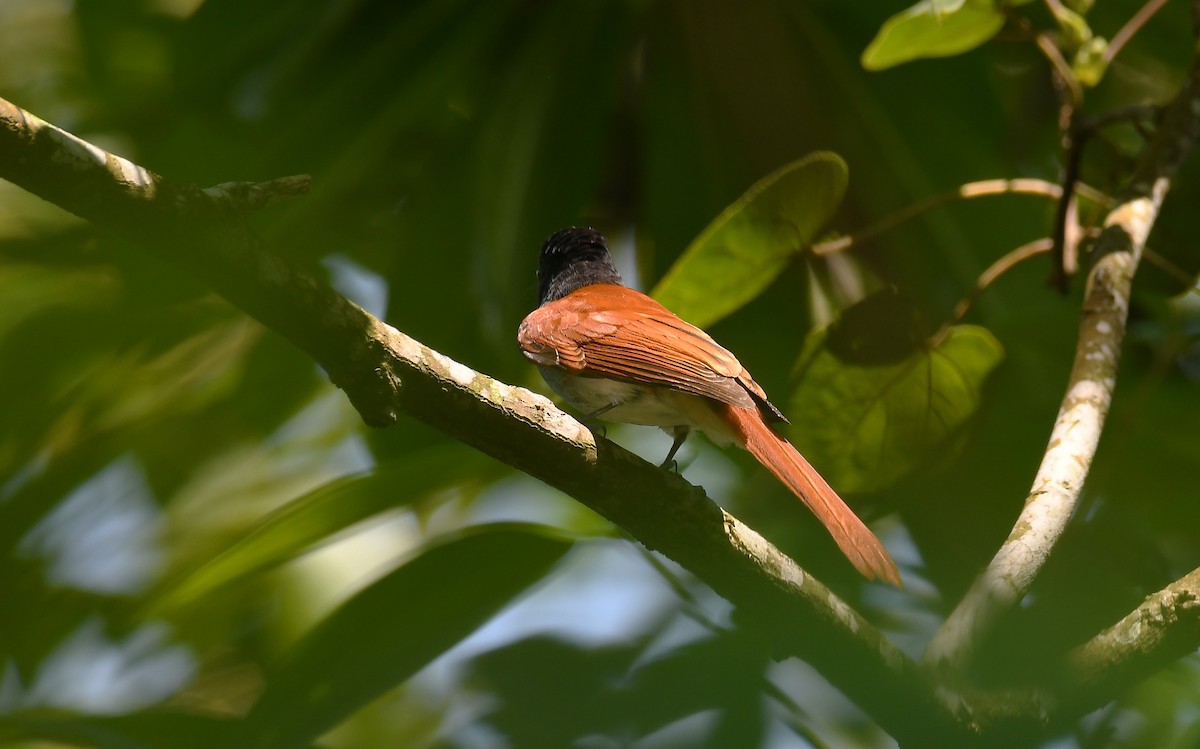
(577, 275)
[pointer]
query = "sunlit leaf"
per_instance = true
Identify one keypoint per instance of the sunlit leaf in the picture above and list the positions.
(933, 29)
(323, 513)
(1075, 29)
(390, 630)
(866, 424)
(750, 243)
(941, 7)
(1090, 61)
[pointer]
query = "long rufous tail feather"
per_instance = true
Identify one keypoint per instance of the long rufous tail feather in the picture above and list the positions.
(856, 541)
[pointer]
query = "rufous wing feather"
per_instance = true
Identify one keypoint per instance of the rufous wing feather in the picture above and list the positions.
(621, 334)
(853, 537)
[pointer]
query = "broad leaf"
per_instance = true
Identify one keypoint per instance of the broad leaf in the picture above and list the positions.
(750, 243)
(865, 424)
(933, 28)
(322, 514)
(390, 630)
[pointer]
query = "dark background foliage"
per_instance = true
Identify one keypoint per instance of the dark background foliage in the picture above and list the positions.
(146, 427)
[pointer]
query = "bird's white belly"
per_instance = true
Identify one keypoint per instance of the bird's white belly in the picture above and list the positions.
(629, 403)
(626, 402)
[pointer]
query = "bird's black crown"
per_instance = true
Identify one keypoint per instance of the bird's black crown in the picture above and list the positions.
(572, 258)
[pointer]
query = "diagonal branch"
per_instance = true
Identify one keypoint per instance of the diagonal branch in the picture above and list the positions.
(1077, 429)
(1164, 628)
(385, 372)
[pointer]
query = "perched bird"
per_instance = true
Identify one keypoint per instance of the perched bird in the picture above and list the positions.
(615, 353)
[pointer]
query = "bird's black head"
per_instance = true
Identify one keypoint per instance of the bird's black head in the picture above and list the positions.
(571, 259)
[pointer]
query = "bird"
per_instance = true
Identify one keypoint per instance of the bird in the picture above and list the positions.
(611, 351)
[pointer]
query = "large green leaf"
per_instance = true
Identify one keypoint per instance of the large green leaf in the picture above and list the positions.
(933, 28)
(865, 424)
(390, 630)
(320, 515)
(750, 243)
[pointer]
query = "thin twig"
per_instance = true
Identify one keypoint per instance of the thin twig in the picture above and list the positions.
(993, 272)
(1134, 114)
(1066, 235)
(982, 188)
(1067, 231)
(1064, 78)
(1190, 284)
(1132, 27)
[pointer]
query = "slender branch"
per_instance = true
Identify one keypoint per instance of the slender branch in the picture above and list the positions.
(1077, 429)
(1067, 230)
(983, 188)
(993, 272)
(1190, 284)
(1132, 27)
(1066, 236)
(1069, 91)
(385, 372)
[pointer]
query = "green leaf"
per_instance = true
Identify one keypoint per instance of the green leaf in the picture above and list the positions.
(866, 424)
(1075, 29)
(933, 29)
(390, 630)
(318, 516)
(1091, 61)
(750, 243)
(149, 729)
(27, 291)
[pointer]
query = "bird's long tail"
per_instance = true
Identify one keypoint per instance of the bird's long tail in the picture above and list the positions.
(856, 541)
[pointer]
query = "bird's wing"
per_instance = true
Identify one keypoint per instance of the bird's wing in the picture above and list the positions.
(605, 330)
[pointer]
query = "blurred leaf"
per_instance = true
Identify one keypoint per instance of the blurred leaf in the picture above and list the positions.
(390, 630)
(885, 327)
(933, 29)
(552, 108)
(721, 672)
(152, 729)
(1075, 29)
(749, 244)
(318, 516)
(550, 692)
(136, 386)
(865, 425)
(28, 290)
(946, 6)
(1090, 61)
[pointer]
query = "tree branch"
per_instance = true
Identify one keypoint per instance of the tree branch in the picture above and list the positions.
(1164, 628)
(385, 372)
(1077, 429)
